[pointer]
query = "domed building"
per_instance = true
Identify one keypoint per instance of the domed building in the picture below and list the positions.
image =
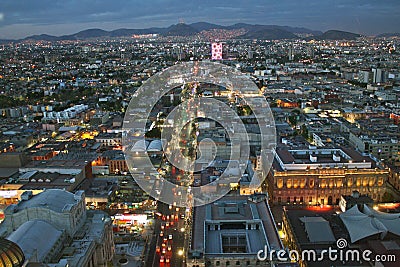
(43, 225)
(11, 254)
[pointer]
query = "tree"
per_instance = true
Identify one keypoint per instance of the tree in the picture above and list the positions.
(304, 132)
(293, 120)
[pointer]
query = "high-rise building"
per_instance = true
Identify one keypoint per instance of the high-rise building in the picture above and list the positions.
(216, 51)
(378, 75)
(250, 54)
(365, 76)
(291, 53)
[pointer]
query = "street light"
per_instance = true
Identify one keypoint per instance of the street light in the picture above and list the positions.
(180, 252)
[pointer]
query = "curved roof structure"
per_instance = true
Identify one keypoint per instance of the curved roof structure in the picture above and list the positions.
(140, 146)
(36, 238)
(53, 199)
(155, 146)
(10, 254)
(371, 225)
(390, 220)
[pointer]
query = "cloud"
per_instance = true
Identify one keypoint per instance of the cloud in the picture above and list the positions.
(61, 17)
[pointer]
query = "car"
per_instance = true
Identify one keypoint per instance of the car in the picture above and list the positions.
(161, 234)
(167, 260)
(164, 251)
(169, 248)
(162, 259)
(158, 249)
(170, 237)
(165, 239)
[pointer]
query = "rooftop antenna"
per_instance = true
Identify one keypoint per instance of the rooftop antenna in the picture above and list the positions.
(181, 21)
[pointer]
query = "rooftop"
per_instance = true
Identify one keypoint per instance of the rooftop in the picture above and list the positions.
(36, 238)
(312, 158)
(54, 199)
(234, 225)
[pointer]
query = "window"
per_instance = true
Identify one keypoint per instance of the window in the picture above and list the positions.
(217, 263)
(288, 199)
(228, 263)
(237, 262)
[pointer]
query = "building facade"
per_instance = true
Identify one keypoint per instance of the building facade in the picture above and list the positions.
(322, 176)
(65, 231)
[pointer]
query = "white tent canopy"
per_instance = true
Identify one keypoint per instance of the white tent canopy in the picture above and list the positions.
(140, 146)
(360, 225)
(390, 220)
(155, 146)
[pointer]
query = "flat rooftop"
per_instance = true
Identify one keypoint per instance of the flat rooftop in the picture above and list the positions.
(234, 225)
(312, 158)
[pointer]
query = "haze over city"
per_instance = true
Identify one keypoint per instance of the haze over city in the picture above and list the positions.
(19, 19)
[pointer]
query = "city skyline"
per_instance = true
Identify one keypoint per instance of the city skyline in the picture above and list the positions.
(58, 18)
(183, 134)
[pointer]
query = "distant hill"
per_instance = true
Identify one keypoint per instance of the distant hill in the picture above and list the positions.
(248, 31)
(86, 34)
(268, 34)
(128, 32)
(43, 37)
(5, 41)
(180, 29)
(338, 35)
(389, 35)
(205, 26)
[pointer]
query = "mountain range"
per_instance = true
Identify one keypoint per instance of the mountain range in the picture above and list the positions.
(248, 31)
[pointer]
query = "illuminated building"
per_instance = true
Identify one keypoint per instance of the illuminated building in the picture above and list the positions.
(11, 254)
(65, 115)
(395, 118)
(216, 51)
(284, 103)
(322, 176)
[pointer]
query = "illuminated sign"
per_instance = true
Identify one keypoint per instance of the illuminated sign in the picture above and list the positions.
(139, 218)
(8, 193)
(216, 51)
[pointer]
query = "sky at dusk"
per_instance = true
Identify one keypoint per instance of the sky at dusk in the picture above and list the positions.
(21, 18)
